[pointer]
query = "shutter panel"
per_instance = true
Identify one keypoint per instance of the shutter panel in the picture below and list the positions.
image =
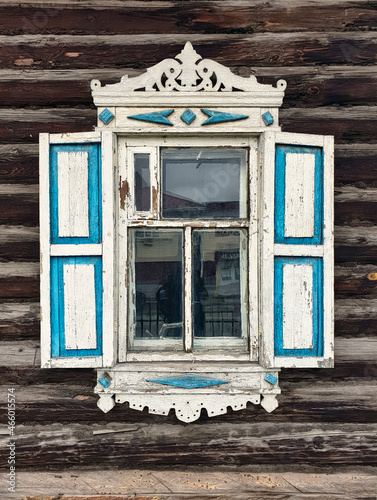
(297, 250)
(76, 226)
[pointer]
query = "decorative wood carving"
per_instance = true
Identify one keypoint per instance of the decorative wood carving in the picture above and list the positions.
(188, 72)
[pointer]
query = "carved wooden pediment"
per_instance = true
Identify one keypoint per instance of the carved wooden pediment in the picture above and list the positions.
(187, 72)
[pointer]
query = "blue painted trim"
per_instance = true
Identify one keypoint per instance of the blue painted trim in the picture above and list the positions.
(317, 344)
(268, 118)
(271, 379)
(280, 161)
(106, 116)
(188, 116)
(219, 116)
(188, 381)
(57, 307)
(154, 117)
(94, 191)
(105, 380)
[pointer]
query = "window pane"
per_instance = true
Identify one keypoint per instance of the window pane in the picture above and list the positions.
(156, 305)
(204, 183)
(142, 182)
(218, 260)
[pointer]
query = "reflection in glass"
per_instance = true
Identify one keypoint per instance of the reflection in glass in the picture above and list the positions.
(217, 297)
(142, 182)
(204, 183)
(156, 306)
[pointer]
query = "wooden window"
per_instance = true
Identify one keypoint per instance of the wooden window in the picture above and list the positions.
(187, 266)
(187, 243)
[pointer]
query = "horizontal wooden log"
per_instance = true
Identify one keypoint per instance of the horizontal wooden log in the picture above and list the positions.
(307, 86)
(19, 163)
(266, 49)
(208, 484)
(26, 125)
(355, 164)
(23, 209)
(27, 353)
(19, 320)
(352, 244)
(347, 125)
(356, 213)
(304, 399)
(163, 444)
(191, 17)
(21, 280)
(20, 209)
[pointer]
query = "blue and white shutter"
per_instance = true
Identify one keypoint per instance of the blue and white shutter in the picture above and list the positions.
(297, 250)
(76, 225)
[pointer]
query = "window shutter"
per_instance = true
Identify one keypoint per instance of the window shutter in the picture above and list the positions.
(297, 250)
(76, 226)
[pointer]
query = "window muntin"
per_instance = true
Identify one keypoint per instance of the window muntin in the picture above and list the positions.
(204, 183)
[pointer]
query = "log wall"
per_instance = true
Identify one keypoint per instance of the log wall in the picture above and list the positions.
(327, 52)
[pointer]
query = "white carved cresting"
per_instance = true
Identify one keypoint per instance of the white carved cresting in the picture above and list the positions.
(188, 72)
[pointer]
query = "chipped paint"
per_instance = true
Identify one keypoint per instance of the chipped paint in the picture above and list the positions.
(124, 191)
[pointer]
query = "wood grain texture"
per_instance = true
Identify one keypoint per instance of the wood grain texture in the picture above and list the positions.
(167, 17)
(265, 49)
(308, 86)
(327, 53)
(173, 484)
(163, 444)
(63, 399)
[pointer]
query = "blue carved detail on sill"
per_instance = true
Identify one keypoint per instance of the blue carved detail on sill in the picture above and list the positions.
(188, 381)
(272, 379)
(154, 117)
(219, 116)
(188, 116)
(268, 118)
(106, 116)
(105, 380)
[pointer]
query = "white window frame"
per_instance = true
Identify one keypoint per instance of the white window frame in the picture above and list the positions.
(127, 218)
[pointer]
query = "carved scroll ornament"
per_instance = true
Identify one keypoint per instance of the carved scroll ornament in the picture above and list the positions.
(188, 72)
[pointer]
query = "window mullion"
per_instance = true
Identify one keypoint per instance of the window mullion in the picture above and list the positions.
(187, 295)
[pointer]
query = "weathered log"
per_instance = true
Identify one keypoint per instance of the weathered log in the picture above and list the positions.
(265, 49)
(307, 86)
(306, 399)
(191, 17)
(202, 443)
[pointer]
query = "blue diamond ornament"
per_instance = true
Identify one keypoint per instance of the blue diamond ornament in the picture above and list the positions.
(272, 379)
(188, 116)
(106, 116)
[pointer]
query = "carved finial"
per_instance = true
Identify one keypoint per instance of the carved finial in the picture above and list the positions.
(188, 53)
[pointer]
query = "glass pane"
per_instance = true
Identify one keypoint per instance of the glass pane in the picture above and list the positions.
(217, 289)
(142, 182)
(157, 308)
(204, 183)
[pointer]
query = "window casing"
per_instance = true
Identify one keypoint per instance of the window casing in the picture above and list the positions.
(213, 214)
(159, 191)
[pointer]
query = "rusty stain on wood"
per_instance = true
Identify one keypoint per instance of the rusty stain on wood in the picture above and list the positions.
(154, 200)
(123, 190)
